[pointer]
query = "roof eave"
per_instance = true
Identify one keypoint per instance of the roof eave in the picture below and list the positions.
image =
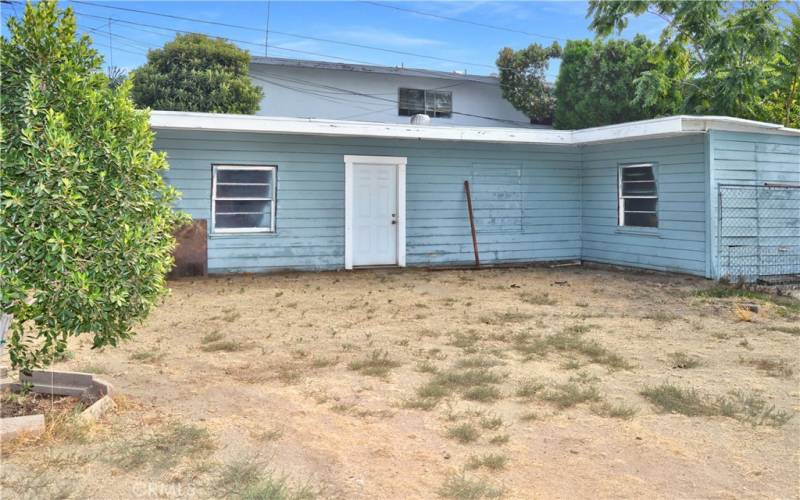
(651, 129)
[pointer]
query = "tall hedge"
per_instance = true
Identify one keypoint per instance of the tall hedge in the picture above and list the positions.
(197, 73)
(597, 84)
(85, 217)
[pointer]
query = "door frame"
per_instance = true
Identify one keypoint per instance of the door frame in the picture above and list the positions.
(350, 161)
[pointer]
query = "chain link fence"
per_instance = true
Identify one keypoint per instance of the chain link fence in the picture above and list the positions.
(758, 236)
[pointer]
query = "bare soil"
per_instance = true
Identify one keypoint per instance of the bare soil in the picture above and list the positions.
(525, 383)
(18, 405)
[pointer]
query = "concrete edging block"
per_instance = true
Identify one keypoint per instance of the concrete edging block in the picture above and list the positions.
(98, 409)
(13, 427)
(61, 384)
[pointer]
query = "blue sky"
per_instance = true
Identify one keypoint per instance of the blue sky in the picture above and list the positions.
(451, 46)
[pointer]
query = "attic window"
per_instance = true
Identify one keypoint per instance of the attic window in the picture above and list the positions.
(243, 199)
(434, 103)
(638, 198)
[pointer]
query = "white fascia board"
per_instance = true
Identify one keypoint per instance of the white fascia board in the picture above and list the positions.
(177, 120)
(658, 127)
(655, 128)
(727, 123)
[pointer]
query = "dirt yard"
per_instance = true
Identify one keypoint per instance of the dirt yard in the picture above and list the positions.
(520, 383)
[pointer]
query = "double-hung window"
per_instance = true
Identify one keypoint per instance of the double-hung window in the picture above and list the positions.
(434, 103)
(638, 197)
(243, 199)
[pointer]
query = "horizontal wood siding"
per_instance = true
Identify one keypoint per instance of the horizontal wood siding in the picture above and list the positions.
(679, 243)
(526, 198)
(752, 160)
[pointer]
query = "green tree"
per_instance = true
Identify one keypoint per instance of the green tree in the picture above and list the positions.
(522, 80)
(597, 84)
(85, 216)
(197, 73)
(730, 54)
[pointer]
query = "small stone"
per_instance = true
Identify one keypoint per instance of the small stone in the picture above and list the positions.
(446, 455)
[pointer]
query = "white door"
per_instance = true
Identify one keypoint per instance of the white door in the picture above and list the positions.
(375, 216)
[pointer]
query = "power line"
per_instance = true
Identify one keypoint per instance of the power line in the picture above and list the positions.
(284, 33)
(266, 30)
(458, 20)
(144, 27)
(393, 101)
(327, 94)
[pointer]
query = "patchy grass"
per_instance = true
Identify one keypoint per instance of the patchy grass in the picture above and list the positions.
(750, 408)
(491, 423)
(491, 461)
(323, 362)
(670, 398)
(505, 318)
(787, 306)
(779, 368)
(482, 393)
(421, 403)
(499, 439)
(464, 340)
(569, 341)
(211, 337)
(94, 369)
(377, 365)
(538, 299)
(684, 361)
(612, 410)
(461, 487)
(474, 384)
(570, 394)
(147, 356)
(464, 433)
(478, 362)
(250, 479)
(791, 330)
(660, 316)
(224, 346)
(164, 449)
(426, 367)
(528, 389)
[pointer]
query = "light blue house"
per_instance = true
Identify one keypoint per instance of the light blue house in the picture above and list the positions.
(708, 196)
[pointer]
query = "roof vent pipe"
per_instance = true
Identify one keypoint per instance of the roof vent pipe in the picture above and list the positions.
(420, 120)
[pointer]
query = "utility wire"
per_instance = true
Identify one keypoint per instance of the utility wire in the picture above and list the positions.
(458, 20)
(266, 30)
(145, 27)
(395, 101)
(284, 33)
(329, 93)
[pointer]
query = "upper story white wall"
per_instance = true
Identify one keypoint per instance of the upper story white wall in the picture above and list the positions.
(332, 94)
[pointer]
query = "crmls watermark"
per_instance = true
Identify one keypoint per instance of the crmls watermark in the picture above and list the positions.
(153, 489)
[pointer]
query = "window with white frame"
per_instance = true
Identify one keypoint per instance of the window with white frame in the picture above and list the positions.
(434, 103)
(638, 197)
(243, 199)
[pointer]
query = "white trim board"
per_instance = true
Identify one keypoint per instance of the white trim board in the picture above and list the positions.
(658, 127)
(349, 162)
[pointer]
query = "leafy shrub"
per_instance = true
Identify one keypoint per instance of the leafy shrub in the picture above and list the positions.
(85, 217)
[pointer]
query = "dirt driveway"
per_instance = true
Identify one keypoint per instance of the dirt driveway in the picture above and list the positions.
(521, 383)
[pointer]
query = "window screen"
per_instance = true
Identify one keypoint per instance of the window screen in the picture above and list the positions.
(243, 199)
(434, 103)
(638, 198)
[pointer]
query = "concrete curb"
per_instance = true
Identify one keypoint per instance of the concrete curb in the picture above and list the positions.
(13, 427)
(61, 384)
